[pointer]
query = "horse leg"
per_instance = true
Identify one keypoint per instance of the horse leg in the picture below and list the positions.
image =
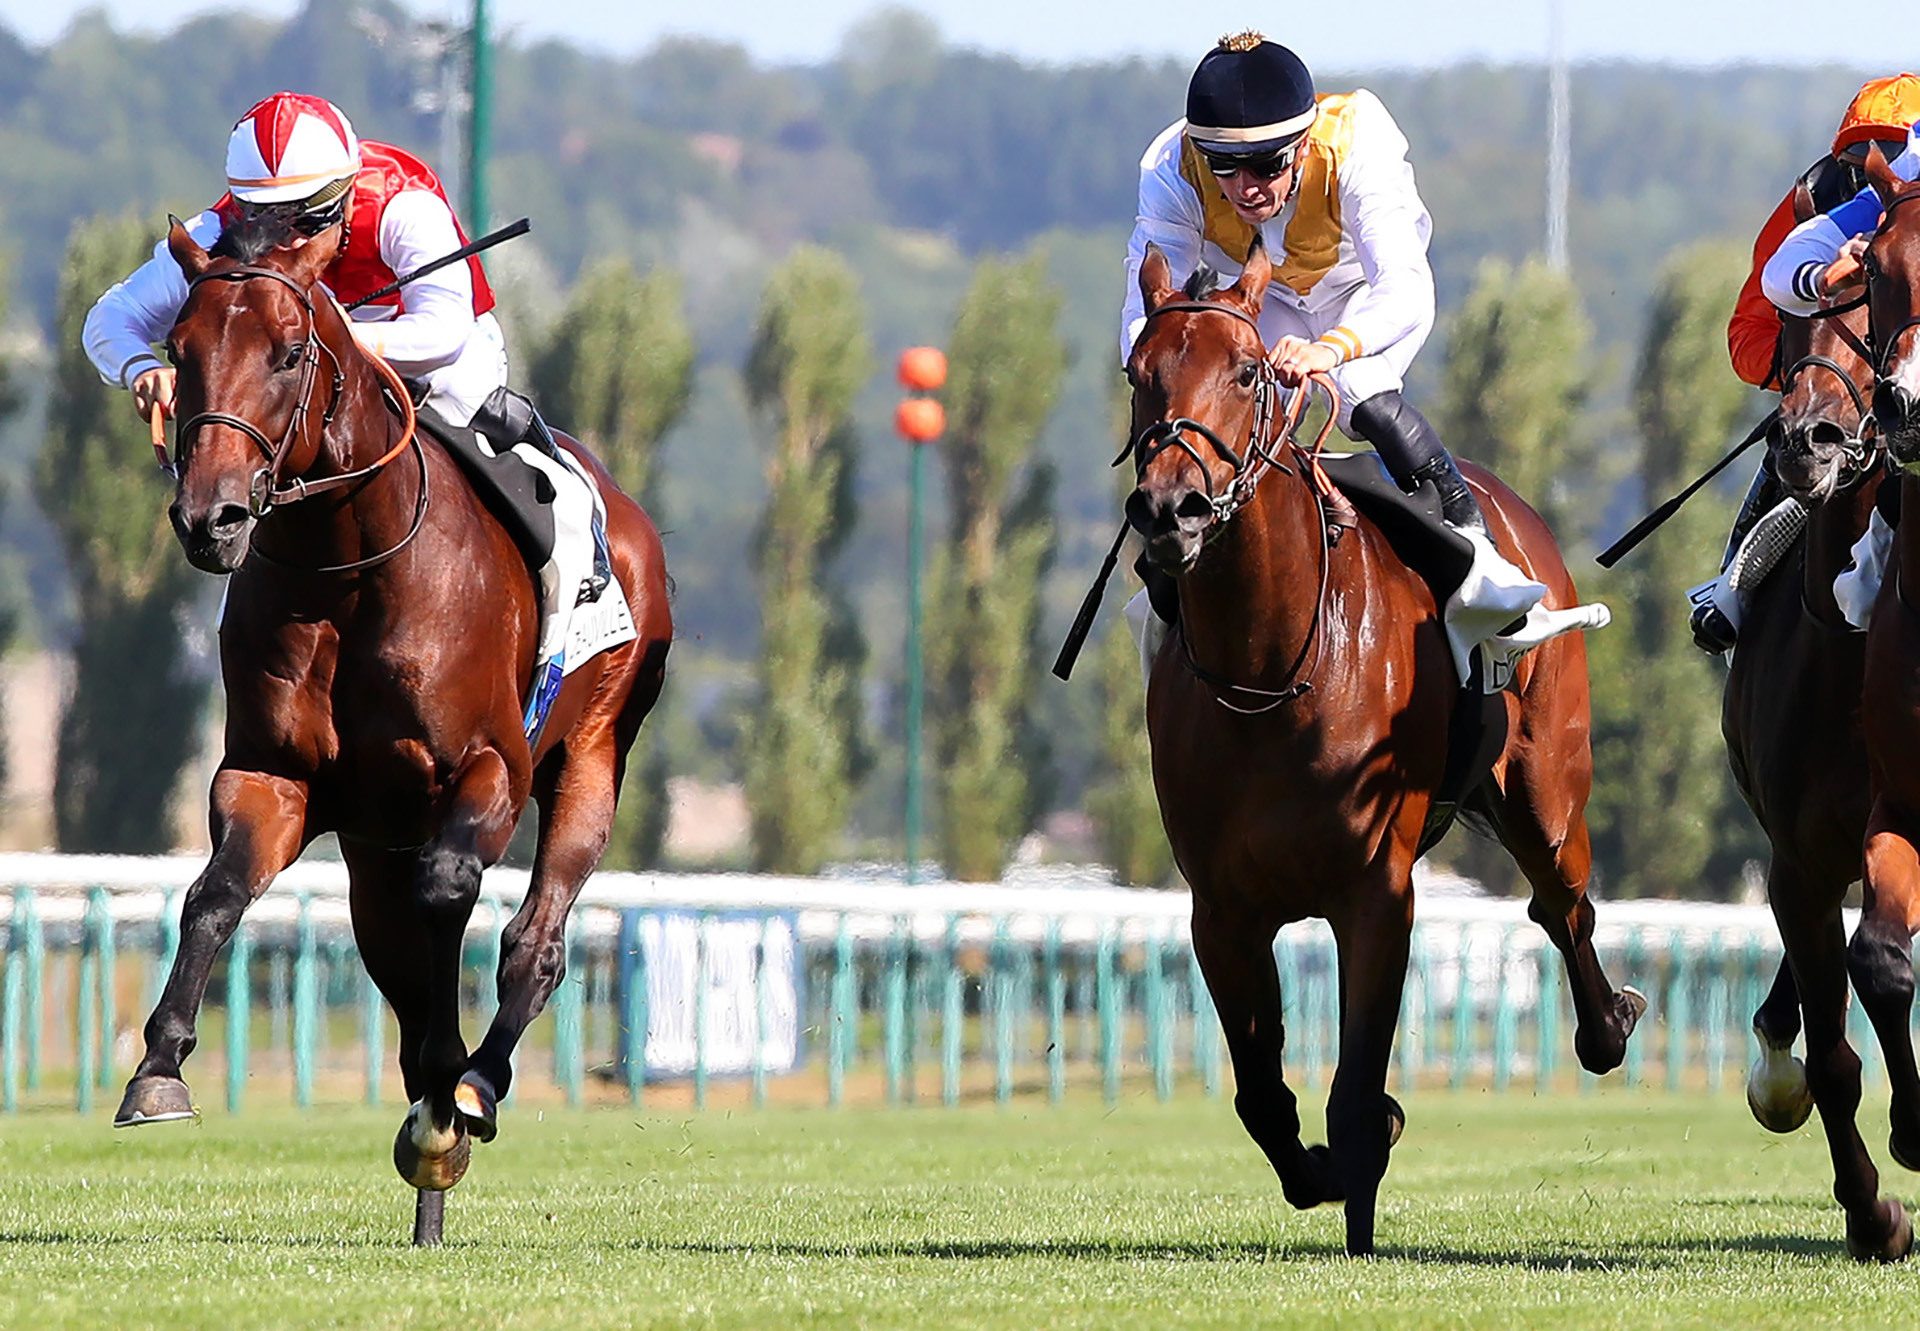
(1237, 961)
(1880, 960)
(576, 788)
(431, 1149)
(1777, 1090)
(1877, 1228)
(1557, 868)
(259, 824)
(1363, 1121)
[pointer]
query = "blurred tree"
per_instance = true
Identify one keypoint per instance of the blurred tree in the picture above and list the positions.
(983, 589)
(1121, 798)
(802, 740)
(1666, 816)
(130, 725)
(617, 373)
(1518, 372)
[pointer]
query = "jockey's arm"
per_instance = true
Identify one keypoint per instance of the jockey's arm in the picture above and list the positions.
(1169, 216)
(437, 310)
(124, 323)
(1390, 227)
(1796, 277)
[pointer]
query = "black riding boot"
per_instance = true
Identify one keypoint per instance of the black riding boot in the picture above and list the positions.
(1412, 450)
(511, 417)
(1713, 632)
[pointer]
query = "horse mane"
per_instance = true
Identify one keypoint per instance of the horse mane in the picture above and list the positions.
(254, 235)
(1204, 282)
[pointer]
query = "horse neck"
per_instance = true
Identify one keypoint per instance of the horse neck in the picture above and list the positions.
(1906, 545)
(1249, 604)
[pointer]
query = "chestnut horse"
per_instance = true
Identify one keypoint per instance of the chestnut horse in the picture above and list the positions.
(379, 633)
(1879, 956)
(1803, 768)
(1299, 719)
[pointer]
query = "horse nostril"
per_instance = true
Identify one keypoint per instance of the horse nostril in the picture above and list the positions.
(1139, 510)
(226, 520)
(1193, 507)
(181, 527)
(1892, 405)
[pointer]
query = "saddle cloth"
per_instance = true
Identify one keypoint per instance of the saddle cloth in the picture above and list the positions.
(550, 507)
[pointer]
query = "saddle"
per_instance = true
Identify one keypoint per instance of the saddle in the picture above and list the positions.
(1477, 730)
(519, 497)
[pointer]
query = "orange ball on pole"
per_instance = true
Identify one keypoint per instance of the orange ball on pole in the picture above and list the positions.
(923, 369)
(920, 419)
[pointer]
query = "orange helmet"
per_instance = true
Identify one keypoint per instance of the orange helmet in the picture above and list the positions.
(1883, 109)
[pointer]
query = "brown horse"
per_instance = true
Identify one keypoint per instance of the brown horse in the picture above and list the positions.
(1299, 722)
(379, 632)
(1879, 956)
(1803, 768)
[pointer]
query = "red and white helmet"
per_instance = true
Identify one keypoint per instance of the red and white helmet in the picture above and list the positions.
(288, 147)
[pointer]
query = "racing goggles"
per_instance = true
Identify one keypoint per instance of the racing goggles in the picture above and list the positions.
(1263, 166)
(310, 216)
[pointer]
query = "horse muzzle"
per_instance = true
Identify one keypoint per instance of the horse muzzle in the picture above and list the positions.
(216, 539)
(1172, 525)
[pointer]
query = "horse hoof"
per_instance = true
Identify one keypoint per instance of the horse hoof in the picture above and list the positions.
(1315, 1184)
(1896, 1246)
(475, 1101)
(1396, 1122)
(154, 1100)
(1777, 1092)
(1636, 1006)
(436, 1172)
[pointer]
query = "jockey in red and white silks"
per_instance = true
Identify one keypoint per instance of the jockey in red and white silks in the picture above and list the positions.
(299, 154)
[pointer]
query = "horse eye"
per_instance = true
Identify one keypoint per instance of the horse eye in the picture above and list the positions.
(1248, 373)
(295, 354)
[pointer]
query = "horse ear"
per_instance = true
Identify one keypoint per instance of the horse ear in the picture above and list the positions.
(1885, 183)
(186, 251)
(310, 259)
(1251, 289)
(1802, 202)
(1156, 278)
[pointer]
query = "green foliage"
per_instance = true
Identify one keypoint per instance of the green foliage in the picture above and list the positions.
(1518, 371)
(1666, 815)
(801, 743)
(617, 370)
(617, 373)
(129, 727)
(1007, 361)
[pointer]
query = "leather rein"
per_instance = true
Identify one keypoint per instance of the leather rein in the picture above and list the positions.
(266, 490)
(1261, 457)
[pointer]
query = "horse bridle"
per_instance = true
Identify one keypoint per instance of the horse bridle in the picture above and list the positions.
(1248, 472)
(266, 490)
(1157, 438)
(1881, 354)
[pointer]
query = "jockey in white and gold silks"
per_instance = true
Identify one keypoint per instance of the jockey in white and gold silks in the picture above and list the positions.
(1323, 180)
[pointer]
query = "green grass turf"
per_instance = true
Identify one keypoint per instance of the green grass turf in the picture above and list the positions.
(1611, 1210)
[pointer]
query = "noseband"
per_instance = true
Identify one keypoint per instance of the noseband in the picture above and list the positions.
(266, 490)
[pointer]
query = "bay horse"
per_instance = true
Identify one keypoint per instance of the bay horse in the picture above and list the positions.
(379, 631)
(1792, 722)
(1298, 716)
(1879, 956)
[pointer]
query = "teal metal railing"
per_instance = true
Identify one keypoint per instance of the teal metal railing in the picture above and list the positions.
(900, 1007)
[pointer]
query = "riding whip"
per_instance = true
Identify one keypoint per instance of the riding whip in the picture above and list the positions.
(1649, 524)
(1083, 622)
(467, 251)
